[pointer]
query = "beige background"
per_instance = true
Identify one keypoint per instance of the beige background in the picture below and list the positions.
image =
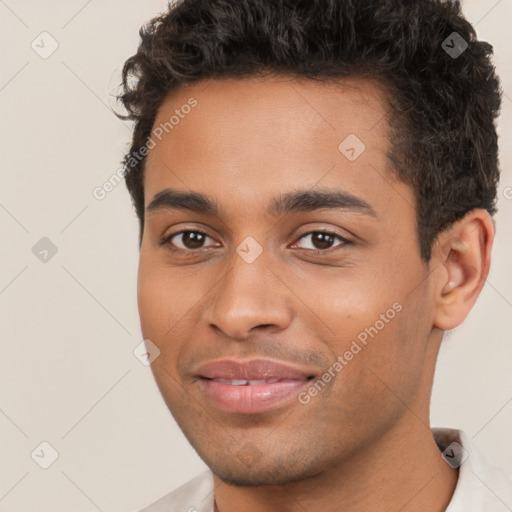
(69, 326)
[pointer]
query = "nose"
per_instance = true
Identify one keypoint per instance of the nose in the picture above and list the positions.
(249, 296)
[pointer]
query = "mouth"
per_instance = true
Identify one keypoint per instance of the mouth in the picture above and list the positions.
(251, 386)
(250, 382)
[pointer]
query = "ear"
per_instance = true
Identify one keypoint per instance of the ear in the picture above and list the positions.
(462, 258)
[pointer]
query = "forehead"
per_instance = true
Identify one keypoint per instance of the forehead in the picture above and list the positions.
(248, 138)
(273, 107)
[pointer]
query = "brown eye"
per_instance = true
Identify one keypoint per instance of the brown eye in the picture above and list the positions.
(187, 240)
(322, 240)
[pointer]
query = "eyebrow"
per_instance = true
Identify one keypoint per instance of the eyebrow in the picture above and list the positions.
(296, 201)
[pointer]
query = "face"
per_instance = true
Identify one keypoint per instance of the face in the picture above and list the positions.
(302, 251)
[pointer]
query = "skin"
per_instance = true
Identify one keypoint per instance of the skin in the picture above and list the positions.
(364, 441)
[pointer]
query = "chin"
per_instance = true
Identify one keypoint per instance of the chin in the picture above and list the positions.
(261, 473)
(255, 477)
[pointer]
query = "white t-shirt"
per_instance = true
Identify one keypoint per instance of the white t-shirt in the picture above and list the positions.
(480, 487)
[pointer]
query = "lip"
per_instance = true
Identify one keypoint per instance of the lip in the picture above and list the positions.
(255, 397)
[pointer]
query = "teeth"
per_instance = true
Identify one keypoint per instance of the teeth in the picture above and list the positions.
(245, 382)
(234, 382)
(238, 382)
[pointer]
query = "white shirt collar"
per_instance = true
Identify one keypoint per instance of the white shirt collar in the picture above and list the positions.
(481, 487)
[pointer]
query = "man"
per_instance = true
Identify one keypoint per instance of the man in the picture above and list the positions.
(315, 184)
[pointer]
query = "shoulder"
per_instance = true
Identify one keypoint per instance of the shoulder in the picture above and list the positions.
(194, 496)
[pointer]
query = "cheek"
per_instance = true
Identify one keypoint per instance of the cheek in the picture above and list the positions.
(159, 298)
(160, 310)
(149, 298)
(373, 322)
(348, 304)
(167, 300)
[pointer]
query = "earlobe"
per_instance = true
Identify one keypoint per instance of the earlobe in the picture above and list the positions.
(462, 260)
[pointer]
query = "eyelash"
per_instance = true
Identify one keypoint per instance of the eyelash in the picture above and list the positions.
(167, 239)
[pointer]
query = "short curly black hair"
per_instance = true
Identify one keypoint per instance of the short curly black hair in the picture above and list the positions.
(444, 95)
